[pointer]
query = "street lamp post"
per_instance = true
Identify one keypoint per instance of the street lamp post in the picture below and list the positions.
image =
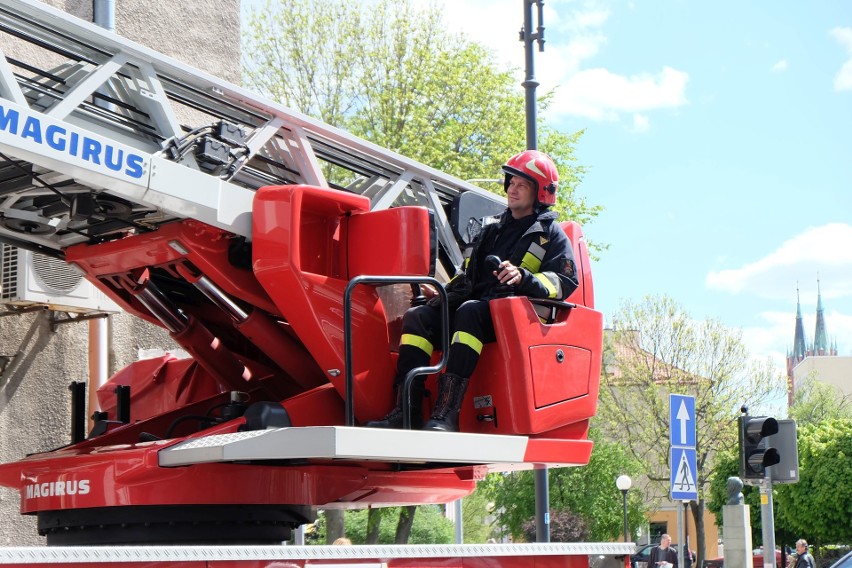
(624, 483)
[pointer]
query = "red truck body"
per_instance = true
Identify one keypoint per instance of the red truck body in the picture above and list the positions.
(287, 291)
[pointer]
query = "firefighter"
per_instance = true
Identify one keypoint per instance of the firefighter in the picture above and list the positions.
(523, 252)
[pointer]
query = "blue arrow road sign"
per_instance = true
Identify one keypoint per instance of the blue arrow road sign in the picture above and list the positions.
(682, 420)
(683, 474)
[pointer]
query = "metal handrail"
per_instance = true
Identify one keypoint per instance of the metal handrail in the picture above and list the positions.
(409, 377)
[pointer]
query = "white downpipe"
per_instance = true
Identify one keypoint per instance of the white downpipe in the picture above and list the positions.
(98, 361)
(104, 14)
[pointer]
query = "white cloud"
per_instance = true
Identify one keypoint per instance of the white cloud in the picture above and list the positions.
(843, 79)
(574, 36)
(773, 336)
(492, 24)
(822, 251)
(598, 93)
(592, 19)
(640, 123)
(780, 67)
(839, 328)
(567, 59)
(571, 35)
(602, 95)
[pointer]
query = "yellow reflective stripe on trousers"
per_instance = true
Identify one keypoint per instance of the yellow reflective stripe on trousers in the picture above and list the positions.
(416, 341)
(551, 289)
(467, 339)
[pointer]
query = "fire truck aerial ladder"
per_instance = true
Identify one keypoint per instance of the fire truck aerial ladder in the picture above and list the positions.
(280, 253)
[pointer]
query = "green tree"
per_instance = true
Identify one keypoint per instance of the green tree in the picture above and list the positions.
(335, 527)
(477, 513)
(588, 492)
(429, 526)
(658, 349)
(816, 401)
(565, 526)
(374, 524)
(315, 73)
(819, 506)
(393, 74)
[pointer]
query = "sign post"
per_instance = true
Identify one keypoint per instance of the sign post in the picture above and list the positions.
(682, 459)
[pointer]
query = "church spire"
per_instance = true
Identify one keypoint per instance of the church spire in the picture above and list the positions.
(799, 350)
(820, 337)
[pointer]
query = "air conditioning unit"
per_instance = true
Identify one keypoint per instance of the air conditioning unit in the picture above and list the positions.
(29, 278)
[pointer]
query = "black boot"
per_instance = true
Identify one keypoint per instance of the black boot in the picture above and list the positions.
(394, 417)
(445, 416)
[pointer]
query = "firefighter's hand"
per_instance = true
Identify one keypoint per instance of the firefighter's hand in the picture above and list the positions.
(509, 274)
(428, 291)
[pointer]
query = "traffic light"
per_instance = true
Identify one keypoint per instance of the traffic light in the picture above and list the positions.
(787, 470)
(755, 452)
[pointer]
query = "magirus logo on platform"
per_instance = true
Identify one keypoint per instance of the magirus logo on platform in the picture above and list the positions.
(57, 488)
(62, 139)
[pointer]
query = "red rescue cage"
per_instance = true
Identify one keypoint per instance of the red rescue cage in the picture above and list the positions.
(251, 431)
(280, 253)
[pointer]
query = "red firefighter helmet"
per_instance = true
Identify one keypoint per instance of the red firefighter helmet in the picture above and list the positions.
(538, 168)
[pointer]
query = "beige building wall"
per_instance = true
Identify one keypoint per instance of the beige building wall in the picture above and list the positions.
(34, 396)
(835, 371)
(711, 531)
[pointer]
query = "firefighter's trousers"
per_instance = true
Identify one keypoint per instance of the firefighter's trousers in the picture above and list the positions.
(470, 328)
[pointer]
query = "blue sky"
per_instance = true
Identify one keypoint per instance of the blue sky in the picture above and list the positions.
(718, 140)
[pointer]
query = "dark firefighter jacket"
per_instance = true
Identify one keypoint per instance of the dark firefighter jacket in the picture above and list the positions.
(543, 253)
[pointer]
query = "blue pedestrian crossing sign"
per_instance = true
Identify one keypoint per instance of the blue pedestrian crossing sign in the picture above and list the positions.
(682, 420)
(683, 474)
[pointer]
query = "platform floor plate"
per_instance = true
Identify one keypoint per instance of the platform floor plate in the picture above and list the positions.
(348, 443)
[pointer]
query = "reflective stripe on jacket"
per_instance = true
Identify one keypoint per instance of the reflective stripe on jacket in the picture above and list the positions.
(544, 255)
